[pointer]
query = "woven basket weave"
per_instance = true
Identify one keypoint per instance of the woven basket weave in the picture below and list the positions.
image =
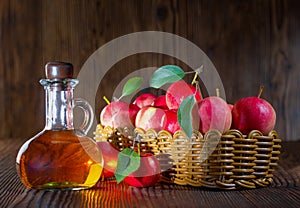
(224, 161)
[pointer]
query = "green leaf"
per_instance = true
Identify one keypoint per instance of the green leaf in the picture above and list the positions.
(184, 115)
(166, 74)
(128, 162)
(131, 86)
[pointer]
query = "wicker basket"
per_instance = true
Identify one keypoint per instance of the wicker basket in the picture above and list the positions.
(224, 161)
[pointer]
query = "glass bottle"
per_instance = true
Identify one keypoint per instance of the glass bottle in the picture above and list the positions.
(60, 157)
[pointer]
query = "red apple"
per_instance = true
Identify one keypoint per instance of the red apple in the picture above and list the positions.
(230, 106)
(144, 100)
(148, 174)
(215, 114)
(133, 110)
(178, 91)
(110, 157)
(116, 115)
(160, 102)
(151, 117)
(253, 113)
(172, 122)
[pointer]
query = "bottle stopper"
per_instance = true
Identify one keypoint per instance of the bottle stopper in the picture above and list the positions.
(59, 70)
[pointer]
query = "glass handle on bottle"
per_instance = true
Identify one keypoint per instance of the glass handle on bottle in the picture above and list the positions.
(88, 114)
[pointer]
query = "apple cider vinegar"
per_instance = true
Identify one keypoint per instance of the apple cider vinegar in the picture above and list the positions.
(59, 159)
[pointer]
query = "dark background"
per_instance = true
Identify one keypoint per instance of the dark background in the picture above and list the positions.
(251, 43)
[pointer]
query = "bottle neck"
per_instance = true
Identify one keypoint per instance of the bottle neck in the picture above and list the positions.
(59, 106)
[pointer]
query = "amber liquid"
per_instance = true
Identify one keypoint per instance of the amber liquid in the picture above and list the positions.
(59, 160)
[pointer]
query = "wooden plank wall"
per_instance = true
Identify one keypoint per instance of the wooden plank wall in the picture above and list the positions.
(251, 43)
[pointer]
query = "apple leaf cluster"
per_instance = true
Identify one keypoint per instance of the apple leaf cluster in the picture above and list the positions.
(163, 75)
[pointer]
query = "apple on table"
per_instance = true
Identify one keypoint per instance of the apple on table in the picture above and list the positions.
(110, 158)
(148, 173)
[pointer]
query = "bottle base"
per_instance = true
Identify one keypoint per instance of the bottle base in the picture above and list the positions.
(61, 186)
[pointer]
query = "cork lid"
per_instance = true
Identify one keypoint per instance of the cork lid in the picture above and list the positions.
(59, 70)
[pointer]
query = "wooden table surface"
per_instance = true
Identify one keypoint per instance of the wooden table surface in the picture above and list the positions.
(285, 192)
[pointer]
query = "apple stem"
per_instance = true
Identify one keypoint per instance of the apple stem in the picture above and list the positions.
(197, 71)
(117, 99)
(106, 100)
(197, 89)
(217, 92)
(260, 91)
(195, 77)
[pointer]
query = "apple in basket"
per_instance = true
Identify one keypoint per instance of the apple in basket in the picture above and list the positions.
(144, 100)
(118, 114)
(151, 118)
(178, 91)
(133, 110)
(172, 124)
(253, 113)
(148, 173)
(160, 102)
(214, 113)
(230, 106)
